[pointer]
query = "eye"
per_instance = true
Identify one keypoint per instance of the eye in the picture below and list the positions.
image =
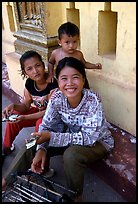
(38, 65)
(29, 69)
(76, 77)
(63, 78)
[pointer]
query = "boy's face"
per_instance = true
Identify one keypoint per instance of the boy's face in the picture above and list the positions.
(34, 68)
(69, 43)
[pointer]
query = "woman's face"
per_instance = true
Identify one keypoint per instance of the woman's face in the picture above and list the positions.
(34, 68)
(71, 83)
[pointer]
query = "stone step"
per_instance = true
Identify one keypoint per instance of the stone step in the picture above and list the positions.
(119, 169)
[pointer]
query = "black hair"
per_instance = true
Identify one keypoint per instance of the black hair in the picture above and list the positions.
(27, 55)
(76, 64)
(69, 29)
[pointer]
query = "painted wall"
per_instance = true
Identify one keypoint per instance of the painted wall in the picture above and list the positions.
(55, 16)
(116, 82)
(7, 35)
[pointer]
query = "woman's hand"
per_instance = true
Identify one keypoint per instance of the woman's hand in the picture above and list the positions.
(8, 110)
(19, 118)
(38, 163)
(43, 136)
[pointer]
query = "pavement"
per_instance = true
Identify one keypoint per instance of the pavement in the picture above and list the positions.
(95, 189)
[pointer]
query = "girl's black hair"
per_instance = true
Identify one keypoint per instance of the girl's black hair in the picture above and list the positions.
(76, 64)
(69, 29)
(27, 55)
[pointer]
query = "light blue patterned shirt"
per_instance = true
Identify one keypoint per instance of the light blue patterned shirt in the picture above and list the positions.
(83, 125)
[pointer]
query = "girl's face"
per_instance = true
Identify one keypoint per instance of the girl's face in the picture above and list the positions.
(71, 83)
(68, 43)
(34, 68)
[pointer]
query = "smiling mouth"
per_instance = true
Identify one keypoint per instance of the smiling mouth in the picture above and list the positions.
(71, 90)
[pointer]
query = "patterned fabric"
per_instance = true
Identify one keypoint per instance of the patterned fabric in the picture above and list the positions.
(83, 125)
(38, 96)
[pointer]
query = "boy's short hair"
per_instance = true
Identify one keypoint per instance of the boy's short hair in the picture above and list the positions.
(69, 29)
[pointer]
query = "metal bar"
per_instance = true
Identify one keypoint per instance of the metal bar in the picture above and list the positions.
(23, 191)
(16, 198)
(44, 187)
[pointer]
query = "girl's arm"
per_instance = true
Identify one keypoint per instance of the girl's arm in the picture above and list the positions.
(32, 116)
(21, 107)
(25, 102)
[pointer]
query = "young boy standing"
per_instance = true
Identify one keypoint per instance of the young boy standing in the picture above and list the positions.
(68, 34)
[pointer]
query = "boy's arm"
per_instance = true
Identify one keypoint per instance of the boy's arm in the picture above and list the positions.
(51, 63)
(89, 65)
(50, 69)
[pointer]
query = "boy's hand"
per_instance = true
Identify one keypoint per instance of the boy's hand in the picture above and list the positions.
(98, 66)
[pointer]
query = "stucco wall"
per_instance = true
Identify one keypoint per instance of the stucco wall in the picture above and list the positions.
(116, 82)
(55, 16)
(7, 35)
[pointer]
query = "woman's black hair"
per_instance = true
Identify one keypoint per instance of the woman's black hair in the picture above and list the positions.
(74, 63)
(28, 55)
(69, 29)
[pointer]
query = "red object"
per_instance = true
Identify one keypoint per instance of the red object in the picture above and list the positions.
(13, 129)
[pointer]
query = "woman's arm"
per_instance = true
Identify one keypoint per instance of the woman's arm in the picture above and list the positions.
(89, 131)
(21, 107)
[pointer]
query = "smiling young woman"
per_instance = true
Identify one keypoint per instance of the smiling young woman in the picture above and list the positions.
(74, 125)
